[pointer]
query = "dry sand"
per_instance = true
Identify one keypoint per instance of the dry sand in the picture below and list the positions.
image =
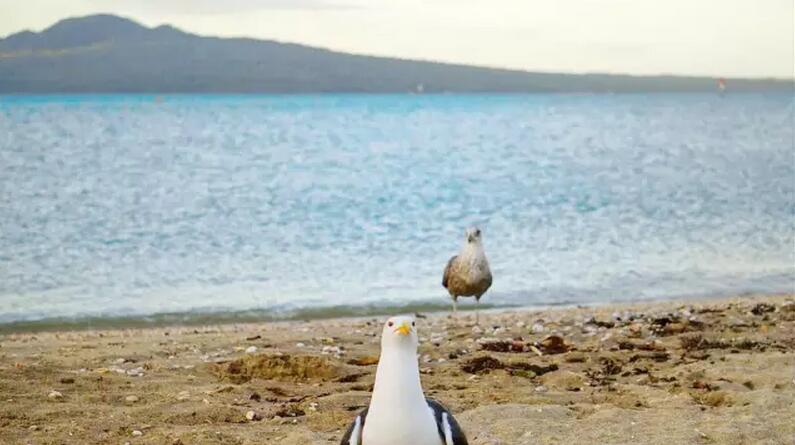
(712, 372)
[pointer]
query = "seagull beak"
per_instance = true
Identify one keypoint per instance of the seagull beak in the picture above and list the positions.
(403, 329)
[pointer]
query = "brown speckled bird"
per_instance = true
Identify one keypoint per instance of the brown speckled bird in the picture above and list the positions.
(467, 274)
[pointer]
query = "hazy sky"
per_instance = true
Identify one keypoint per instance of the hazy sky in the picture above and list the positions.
(712, 37)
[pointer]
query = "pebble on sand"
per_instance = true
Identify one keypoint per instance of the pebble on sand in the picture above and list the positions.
(55, 395)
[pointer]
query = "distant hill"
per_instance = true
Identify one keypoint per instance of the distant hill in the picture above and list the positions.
(105, 53)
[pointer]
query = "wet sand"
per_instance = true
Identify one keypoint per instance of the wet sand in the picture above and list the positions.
(706, 372)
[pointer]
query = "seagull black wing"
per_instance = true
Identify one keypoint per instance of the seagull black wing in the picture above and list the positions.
(449, 430)
(354, 434)
(446, 276)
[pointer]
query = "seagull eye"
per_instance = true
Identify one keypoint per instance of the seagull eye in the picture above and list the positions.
(413, 324)
(390, 324)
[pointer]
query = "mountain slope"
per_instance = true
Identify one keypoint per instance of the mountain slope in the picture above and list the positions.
(105, 53)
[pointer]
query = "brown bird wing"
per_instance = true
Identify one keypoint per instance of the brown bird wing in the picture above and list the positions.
(486, 285)
(447, 270)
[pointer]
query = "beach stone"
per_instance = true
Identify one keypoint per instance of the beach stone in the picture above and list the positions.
(55, 395)
(131, 399)
(251, 349)
(137, 433)
(635, 330)
(562, 379)
(183, 395)
(135, 372)
(252, 416)
(554, 344)
(336, 350)
(674, 328)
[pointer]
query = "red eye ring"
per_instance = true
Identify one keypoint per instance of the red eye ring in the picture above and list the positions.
(390, 324)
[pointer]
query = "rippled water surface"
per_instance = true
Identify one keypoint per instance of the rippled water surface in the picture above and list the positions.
(136, 205)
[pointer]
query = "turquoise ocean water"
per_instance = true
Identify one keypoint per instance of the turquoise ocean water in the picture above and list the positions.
(271, 206)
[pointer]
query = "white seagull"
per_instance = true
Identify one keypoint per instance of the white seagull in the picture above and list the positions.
(399, 413)
(467, 274)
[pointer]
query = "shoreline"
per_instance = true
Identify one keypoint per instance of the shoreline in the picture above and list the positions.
(665, 372)
(306, 314)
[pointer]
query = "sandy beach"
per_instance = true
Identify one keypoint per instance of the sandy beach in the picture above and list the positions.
(706, 372)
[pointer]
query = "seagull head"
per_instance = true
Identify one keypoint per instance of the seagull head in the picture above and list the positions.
(400, 332)
(473, 235)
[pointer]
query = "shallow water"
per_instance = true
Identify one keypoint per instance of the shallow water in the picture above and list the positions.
(137, 205)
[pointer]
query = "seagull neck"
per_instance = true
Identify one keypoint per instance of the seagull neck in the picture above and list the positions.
(397, 379)
(470, 251)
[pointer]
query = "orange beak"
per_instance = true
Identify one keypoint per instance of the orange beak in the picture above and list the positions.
(403, 329)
